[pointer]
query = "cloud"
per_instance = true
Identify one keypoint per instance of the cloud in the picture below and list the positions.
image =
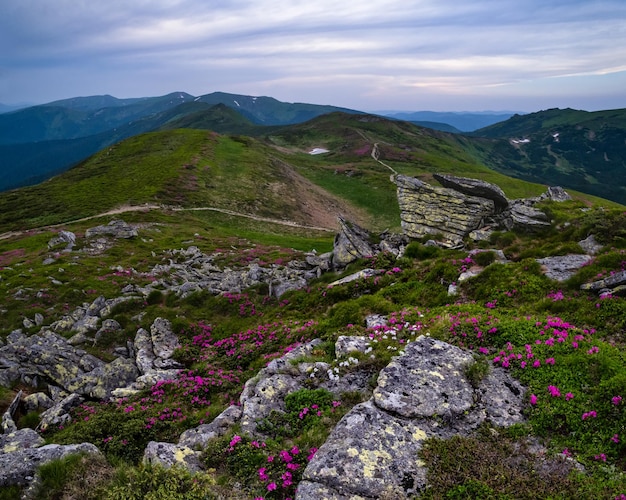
(419, 48)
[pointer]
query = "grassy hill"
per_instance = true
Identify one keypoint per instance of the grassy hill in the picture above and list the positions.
(193, 168)
(512, 305)
(576, 149)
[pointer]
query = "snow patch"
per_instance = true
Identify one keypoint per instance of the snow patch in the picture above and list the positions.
(236, 103)
(197, 98)
(318, 151)
(520, 141)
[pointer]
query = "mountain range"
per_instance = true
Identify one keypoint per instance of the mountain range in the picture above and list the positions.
(579, 150)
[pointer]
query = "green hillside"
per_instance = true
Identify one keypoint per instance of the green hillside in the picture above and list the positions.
(576, 149)
(262, 203)
(195, 168)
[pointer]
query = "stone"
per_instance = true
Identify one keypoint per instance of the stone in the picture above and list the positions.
(557, 193)
(59, 413)
(352, 243)
(37, 401)
(616, 280)
(198, 437)
(115, 228)
(423, 393)
(66, 238)
(475, 187)
(20, 467)
(369, 453)
(527, 218)
(20, 440)
(170, 455)
(590, 246)
(431, 210)
(436, 368)
(164, 341)
(346, 344)
(359, 275)
(563, 267)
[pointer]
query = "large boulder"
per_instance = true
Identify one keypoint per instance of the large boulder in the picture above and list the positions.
(474, 187)
(373, 450)
(351, 243)
(432, 210)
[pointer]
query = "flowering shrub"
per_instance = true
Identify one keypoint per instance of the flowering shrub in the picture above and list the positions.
(267, 470)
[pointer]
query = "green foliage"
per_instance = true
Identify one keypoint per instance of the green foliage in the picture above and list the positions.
(416, 250)
(484, 258)
(491, 465)
(158, 483)
(476, 371)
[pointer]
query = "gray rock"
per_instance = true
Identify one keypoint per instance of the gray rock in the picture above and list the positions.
(474, 187)
(527, 218)
(346, 344)
(563, 267)
(164, 341)
(20, 440)
(66, 238)
(59, 413)
(37, 401)
(8, 424)
(198, 437)
(359, 275)
(169, 455)
(20, 467)
(369, 453)
(436, 368)
(115, 229)
(614, 281)
(352, 243)
(557, 193)
(430, 210)
(590, 245)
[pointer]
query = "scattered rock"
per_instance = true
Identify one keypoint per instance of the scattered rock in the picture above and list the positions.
(563, 267)
(116, 229)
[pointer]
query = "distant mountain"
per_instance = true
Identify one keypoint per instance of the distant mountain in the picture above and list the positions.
(576, 149)
(464, 122)
(444, 127)
(43, 140)
(269, 111)
(7, 108)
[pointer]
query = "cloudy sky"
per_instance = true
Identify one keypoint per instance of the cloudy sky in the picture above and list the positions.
(442, 55)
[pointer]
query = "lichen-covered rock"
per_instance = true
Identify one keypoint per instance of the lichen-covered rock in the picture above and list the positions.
(169, 455)
(345, 344)
(37, 401)
(527, 218)
(20, 440)
(198, 437)
(359, 275)
(59, 413)
(115, 228)
(369, 453)
(427, 380)
(557, 193)
(352, 243)
(563, 267)
(423, 393)
(474, 187)
(426, 209)
(614, 281)
(164, 341)
(20, 467)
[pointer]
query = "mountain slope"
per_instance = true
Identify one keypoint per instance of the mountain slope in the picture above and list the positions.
(579, 150)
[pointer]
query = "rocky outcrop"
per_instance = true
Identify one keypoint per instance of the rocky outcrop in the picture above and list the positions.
(431, 210)
(474, 187)
(351, 243)
(22, 451)
(373, 450)
(115, 229)
(464, 207)
(614, 284)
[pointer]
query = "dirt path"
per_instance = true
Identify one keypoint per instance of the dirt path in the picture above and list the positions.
(147, 208)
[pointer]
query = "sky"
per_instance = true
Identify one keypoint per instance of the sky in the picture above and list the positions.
(373, 55)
